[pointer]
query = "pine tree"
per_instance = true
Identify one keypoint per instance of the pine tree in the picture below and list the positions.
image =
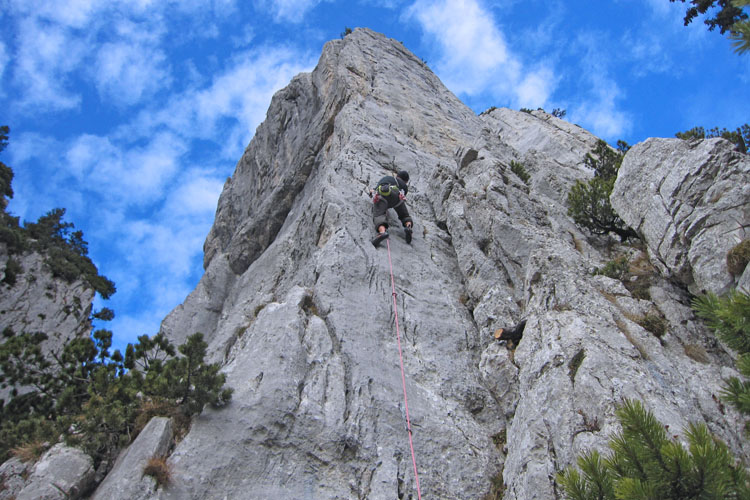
(588, 202)
(6, 173)
(646, 463)
(193, 383)
(740, 137)
(726, 13)
(95, 397)
(729, 317)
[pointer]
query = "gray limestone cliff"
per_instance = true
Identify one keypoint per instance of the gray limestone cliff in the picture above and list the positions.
(36, 301)
(39, 302)
(297, 304)
(691, 204)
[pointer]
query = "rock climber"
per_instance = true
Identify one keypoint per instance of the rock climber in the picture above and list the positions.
(391, 193)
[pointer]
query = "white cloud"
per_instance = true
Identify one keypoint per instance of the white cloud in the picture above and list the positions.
(244, 38)
(146, 212)
(535, 88)
(166, 249)
(603, 118)
(140, 175)
(598, 101)
(45, 55)
(388, 4)
(288, 10)
(647, 53)
(86, 152)
(474, 57)
(196, 196)
(125, 72)
(117, 45)
(124, 174)
(228, 110)
(75, 13)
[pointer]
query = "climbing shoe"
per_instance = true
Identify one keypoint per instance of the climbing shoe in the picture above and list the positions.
(379, 238)
(407, 233)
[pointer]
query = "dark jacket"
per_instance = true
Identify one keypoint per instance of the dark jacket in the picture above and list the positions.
(393, 198)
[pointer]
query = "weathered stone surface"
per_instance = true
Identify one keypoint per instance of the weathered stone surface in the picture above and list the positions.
(298, 304)
(38, 302)
(744, 282)
(13, 475)
(62, 473)
(690, 203)
(550, 149)
(126, 479)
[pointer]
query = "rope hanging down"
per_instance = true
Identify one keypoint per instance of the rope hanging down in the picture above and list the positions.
(403, 378)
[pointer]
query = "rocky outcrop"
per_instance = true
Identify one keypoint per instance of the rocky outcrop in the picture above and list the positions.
(61, 473)
(126, 479)
(690, 204)
(550, 149)
(39, 302)
(298, 305)
(13, 476)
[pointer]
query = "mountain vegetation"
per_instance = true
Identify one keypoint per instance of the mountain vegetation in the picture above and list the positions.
(97, 399)
(727, 15)
(588, 202)
(729, 317)
(100, 400)
(63, 247)
(647, 463)
(740, 34)
(740, 137)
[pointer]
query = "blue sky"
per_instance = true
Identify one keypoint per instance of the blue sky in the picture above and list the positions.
(131, 115)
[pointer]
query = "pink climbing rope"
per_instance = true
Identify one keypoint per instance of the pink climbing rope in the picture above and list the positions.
(403, 378)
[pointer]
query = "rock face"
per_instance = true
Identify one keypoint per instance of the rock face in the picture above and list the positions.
(126, 479)
(691, 204)
(39, 302)
(13, 475)
(298, 305)
(62, 473)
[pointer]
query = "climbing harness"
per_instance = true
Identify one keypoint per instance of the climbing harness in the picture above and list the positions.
(403, 378)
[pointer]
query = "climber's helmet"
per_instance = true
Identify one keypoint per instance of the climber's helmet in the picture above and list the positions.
(403, 175)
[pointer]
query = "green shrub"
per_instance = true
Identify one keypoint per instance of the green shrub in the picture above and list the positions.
(66, 252)
(497, 487)
(616, 269)
(729, 317)
(12, 234)
(655, 324)
(64, 249)
(518, 169)
(740, 137)
(575, 363)
(12, 270)
(32, 451)
(647, 463)
(95, 398)
(588, 202)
